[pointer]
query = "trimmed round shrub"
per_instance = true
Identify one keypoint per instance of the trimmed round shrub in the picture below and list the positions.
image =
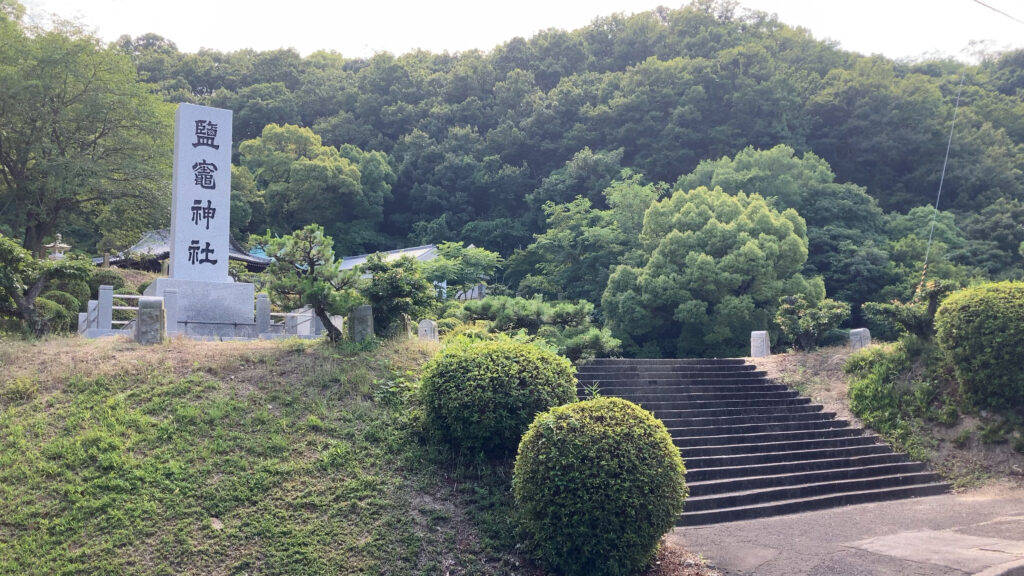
(52, 317)
(482, 394)
(981, 329)
(597, 484)
(445, 326)
(104, 277)
(69, 302)
(79, 289)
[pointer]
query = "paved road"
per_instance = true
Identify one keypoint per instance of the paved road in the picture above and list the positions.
(949, 535)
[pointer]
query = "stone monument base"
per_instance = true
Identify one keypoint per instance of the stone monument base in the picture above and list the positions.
(208, 310)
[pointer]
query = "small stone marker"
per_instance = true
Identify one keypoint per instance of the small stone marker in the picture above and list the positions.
(262, 313)
(360, 323)
(428, 330)
(105, 307)
(860, 338)
(171, 310)
(150, 327)
(759, 346)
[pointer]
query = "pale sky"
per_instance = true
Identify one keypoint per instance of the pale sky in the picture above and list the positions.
(895, 28)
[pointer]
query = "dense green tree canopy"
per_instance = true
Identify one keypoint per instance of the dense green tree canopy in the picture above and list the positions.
(716, 265)
(547, 150)
(303, 182)
(845, 226)
(83, 145)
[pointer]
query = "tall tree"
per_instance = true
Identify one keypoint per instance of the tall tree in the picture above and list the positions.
(79, 137)
(716, 266)
(306, 182)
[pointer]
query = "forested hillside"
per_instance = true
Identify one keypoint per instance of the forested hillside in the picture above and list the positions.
(550, 149)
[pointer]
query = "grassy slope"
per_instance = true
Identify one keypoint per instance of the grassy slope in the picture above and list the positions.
(226, 458)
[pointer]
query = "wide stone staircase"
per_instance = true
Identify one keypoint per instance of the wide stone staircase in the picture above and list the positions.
(752, 446)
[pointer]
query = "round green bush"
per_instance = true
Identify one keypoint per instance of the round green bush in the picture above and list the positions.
(104, 277)
(981, 329)
(446, 325)
(52, 317)
(597, 484)
(79, 289)
(482, 394)
(69, 302)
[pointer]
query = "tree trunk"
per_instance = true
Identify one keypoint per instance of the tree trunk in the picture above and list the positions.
(332, 331)
(33, 241)
(26, 304)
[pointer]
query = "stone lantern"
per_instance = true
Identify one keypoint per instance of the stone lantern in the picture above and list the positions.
(57, 248)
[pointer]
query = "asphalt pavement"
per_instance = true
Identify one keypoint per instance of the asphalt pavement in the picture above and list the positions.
(980, 532)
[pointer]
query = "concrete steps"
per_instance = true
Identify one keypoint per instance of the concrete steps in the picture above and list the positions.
(752, 447)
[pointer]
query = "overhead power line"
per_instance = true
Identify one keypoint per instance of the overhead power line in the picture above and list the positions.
(994, 9)
(942, 178)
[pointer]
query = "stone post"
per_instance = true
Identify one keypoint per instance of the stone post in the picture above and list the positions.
(860, 338)
(83, 321)
(759, 346)
(291, 324)
(105, 308)
(171, 310)
(360, 323)
(427, 330)
(262, 313)
(91, 318)
(150, 324)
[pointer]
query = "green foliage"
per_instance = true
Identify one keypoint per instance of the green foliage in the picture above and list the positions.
(597, 483)
(994, 432)
(804, 324)
(895, 388)
(481, 395)
(573, 258)
(78, 289)
(568, 326)
(301, 181)
(104, 277)
(52, 317)
(916, 317)
(85, 143)
(67, 301)
(460, 268)
(19, 390)
(874, 392)
(23, 278)
(304, 272)
(715, 268)
(147, 469)
(446, 325)
(844, 225)
(982, 330)
(397, 291)
(881, 396)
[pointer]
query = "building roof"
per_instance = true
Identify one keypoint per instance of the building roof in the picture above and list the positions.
(156, 245)
(420, 253)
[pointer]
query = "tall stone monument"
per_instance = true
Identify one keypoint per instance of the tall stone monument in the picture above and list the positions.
(209, 302)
